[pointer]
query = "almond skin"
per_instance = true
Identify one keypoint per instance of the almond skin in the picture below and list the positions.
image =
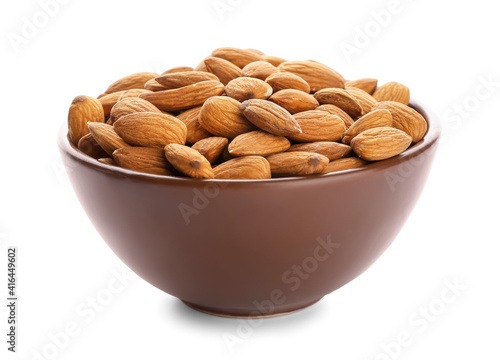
(83, 109)
(335, 110)
(405, 118)
(340, 98)
(368, 85)
(133, 81)
(143, 159)
(259, 69)
(274, 60)
(211, 147)
(223, 69)
(258, 143)
(178, 69)
(294, 101)
(245, 88)
(89, 146)
(238, 57)
(286, 80)
(317, 75)
(106, 137)
(109, 100)
(191, 118)
(131, 105)
(393, 91)
(188, 161)
(151, 129)
(366, 101)
(318, 125)
(332, 150)
(154, 85)
(246, 167)
(186, 97)
(344, 164)
(297, 163)
(177, 80)
(375, 118)
(380, 143)
(221, 116)
(270, 117)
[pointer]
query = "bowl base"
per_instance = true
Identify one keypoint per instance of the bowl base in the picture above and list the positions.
(233, 316)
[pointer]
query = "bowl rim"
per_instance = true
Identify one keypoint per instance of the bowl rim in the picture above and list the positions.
(431, 136)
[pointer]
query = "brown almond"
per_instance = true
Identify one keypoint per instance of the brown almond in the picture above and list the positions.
(335, 110)
(366, 101)
(238, 57)
(270, 117)
(332, 150)
(368, 85)
(133, 93)
(318, 125)
(257, 51)
(180, 79)
(406, 118)
(109, 100)
(273, 60)
(107, 161)
(286, 80)
(188, 161)
(221, 116)
(294, 101)
(150, 129)
(380, 143)
(375, 118)
(297, 163)
(191, 118)
(154, 85)
(211, 147)
(131, 105)
(245, 88)
(143, 159)
(317, 75)
(106, 137)
(223, 69)
(259, 69)
(393, 91)
(340, 98)
(133, 81)
(202, 66)
(344, 164)
(89, 146)
(186, 97)
(83, 109)
(258, 143)
(245, 167)
(178, 69)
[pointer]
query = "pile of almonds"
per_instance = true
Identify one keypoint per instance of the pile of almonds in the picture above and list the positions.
(241, 114)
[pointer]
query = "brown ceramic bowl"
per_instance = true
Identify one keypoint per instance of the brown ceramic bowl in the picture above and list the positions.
(252, 247)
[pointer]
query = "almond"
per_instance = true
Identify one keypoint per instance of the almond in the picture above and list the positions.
(332, 150)
(238, 57)
(273, 60)
(191, 118)
(340, 98)
(186, 97)
(318, 125)
(259, 69)
(133, 81)
(202, 66)
(178, 69)
(223, 69)
(294, 101)
(133, 93)
(89, 146)
(245, 88)
(344, 164)
(143, 159)
(376, 118)
(393, 91)
(258, 52)
(297, 163)
(106, 137)
(366, 101)
(188, 161)
(221, 116)
(335, 110)
(211, 147)
(180, 79)
(154, 85)
(108, 161)
(151, 129)
(83, 109)
(109, 100)
(380, 143)
(368, 85)
(258, 143)
(286, 80)
(246, 167)
(405, 118)
(270, 117)
(131, 105)
(317, 75)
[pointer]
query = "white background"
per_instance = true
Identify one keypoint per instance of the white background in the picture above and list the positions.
(441, 50)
